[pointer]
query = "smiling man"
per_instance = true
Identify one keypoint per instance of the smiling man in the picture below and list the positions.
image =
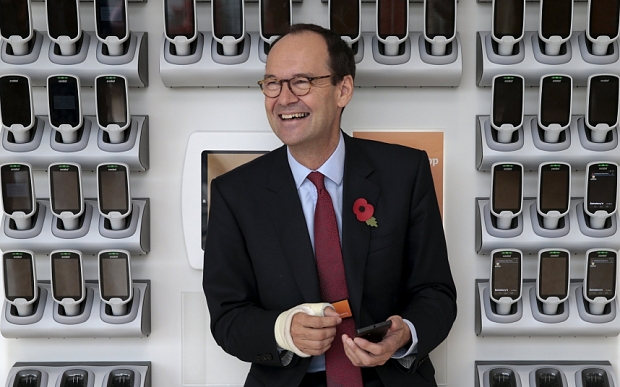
(293, 264)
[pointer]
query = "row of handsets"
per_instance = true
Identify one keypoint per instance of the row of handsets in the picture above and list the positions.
(65, 108)
(554, 192)
(555, 25)
(63, 24)
(555, 105)
(66, 197)
(553, 279)
(67, 280)
(228, 22)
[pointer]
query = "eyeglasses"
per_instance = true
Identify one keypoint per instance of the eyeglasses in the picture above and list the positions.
(300, 86)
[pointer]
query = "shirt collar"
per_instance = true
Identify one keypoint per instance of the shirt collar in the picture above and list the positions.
(333, 168)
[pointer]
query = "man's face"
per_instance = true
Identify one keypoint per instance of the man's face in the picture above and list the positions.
(313, 120)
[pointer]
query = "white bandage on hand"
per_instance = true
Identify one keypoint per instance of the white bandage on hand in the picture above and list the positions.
(282, 329)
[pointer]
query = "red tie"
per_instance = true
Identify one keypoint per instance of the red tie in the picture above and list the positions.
(339, 369)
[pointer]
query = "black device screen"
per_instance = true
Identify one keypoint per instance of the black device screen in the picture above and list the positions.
(17, 190)
(114, 275)
(603, 100)
(110, 18)
(227, 18)
(179, 18)
(276, 15)
(554, 188)
(63, 18)
(15, 100)
(65, 188)
(392, 18)
(555, 101)
(344, 17)
(506, 276)
(508, 100)
(604, 18)
(63, 96)
(553, 275)
(67, 275)
(508, 18)
(556, 18)
(19, 281)
(113, 188)
(439, 18)
(602, 187)
(111, 101)
(507, 186)
(15, 18)
(601, 274)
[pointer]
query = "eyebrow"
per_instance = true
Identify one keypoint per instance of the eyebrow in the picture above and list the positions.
(294, 76)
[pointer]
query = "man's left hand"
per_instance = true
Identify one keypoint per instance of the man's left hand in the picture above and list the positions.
(364, 353)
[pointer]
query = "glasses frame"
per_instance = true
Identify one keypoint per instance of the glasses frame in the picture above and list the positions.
(288, 82)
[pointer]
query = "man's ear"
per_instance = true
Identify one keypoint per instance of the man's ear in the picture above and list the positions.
(345, 88)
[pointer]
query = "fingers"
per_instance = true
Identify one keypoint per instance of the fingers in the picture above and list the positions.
(313, 335)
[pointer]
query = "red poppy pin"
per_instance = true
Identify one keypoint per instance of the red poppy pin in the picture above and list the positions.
(364, 211)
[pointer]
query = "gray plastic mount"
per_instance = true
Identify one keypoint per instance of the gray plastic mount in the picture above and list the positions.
(95, 320)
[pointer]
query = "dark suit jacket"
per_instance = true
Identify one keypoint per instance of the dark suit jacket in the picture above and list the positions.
(259, 259)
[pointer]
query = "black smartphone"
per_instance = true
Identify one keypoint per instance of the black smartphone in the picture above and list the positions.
(507, 105)
(63, 96)
(392, 18)
(113, 187)
(556, 92)
(506, 275)
(507, 188)
(16, 101)
(112, 102)
(603, 18)
(66, 189)
(508, 16)
(556, 18)
(111, 19)
(344, 17)
(601, 274)
(553, 269)
(603, 100)
(20, 279)
(439, 18)
(375, 332)
(227, 18)
(17, 189)
(15, 18)
(67, 277)
(554, 187)
(601, 187)
(63, 18)
(115, 276)
(275, 17)
(179, 18)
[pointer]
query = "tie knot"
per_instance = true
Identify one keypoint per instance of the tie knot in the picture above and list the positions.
(318, 179)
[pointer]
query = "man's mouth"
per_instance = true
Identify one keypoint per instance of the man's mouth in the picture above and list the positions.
(294, 116)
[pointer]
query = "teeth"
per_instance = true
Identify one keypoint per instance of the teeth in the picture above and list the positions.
(294, 115)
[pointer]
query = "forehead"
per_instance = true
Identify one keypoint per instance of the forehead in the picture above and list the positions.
(298, 54)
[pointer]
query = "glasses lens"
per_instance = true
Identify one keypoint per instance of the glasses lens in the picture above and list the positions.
(270, 87)
(300, 85)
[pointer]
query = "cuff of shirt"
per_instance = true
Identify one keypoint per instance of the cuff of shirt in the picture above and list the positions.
(403, 354)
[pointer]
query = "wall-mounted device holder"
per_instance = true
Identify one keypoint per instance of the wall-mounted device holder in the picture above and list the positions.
(112, 26)
(20, 281)
(94, 318)
(603, 26)
(507, 27)
(573, 146)
(16, 26)
(506, 282)
(63, 26)
(112, 106)
(506, 201)
(43, 61)
(439, 25)
(556, 25)
(93, 146)
(65, 107)
(275, 18)
(115, 283)
(554, 186)
(16, 108)
(228, 21)
(507, 100)
(180, 29)
(66, 198)
(531, 63)
(555, 99)
(544, 373)
(571, 317)
(601, 194)
(573, 233)
(345, 18)
(80, 374)
(602, 106)
(553, 281)
(67, 284)
(93, 234)
(599, 284)
(18, 197)
(114, 194)
(392, 27)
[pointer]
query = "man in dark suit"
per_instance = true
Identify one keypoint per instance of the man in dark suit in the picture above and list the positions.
(263, 289)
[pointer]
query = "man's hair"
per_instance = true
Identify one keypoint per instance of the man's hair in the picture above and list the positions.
(341, 61)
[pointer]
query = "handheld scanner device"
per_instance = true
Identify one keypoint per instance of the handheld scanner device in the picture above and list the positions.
(63, 24)
(18, 199)
(556, 24)
(345, 18)
(16, 24)
(553, 281)
(67, 280)
(603, 24)
(112, 104)
(507, 95)
(554, 105)
(508, 24)
(20, 280)
(228, 21)
(16, 112)
(65, 109)
(601, 192)
(554, 184)
(114, 194)
(180, 24)
(602, 105)
(439, 24)
(67, 202)
(115, 284)
(275, 18)
(111, 24)
(506, 192)
(506, 278)
(599, 283)
(392, 24)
